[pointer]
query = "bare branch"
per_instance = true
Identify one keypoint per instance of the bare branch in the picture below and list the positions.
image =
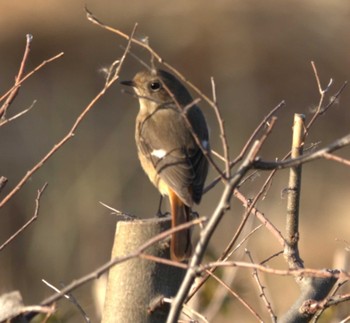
(15, 90)
(223, 137)
(261, 217)
(70, 134)
(234, 294)
(187, 309)
(7, 120)
(225, 255)
(271, 257)
(306, 158)
(207, 233)
(291, 251)
(265, 122)
(320, 110)
(28, 223)
(32, 72)
(104, 268)
(28, 75)
(72, 299)
(337, 159)
(262, 290)
(306, 272)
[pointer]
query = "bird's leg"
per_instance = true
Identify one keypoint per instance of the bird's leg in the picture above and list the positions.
(159, 213)
(194, 214)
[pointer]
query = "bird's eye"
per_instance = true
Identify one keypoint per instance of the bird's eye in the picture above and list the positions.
(155, 86)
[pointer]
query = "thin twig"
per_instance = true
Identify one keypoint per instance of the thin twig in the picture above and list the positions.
(334, 291)
(71, 298)
(219, 296)
(345, 320)
(322, 93)
(307, 272)
(212, 224)
(223, 136)
(321, 110)
(71, 132)
(251, 205)
(262, 290)
(227, 251)
(240, 299)
(183, 111)
(265, 122)
(188, 309)
(312, 306)
(271, 257)
(207, 234)
(337, 159)
(306, 158)
(163, 261)
(156, 56)
(115, 261)
(335, 300)
(261, 217)
(223, 257)
(15, 90)
(7, 120)
(28, 223)
(32, 72)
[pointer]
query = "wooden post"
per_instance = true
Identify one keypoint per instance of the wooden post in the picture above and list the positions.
(133, 286)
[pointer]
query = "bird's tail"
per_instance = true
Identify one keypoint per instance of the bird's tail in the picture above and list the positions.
(180, 246)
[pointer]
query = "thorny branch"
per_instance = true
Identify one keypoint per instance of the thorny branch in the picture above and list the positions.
(262, 290)
(234, 294)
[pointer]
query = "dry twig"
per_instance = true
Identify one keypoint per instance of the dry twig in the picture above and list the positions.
(113, 262)
(262, 290)
(112, 77)
(30, 221)
(15, 90)
(72, 299)
(291, 250)
(234, 294)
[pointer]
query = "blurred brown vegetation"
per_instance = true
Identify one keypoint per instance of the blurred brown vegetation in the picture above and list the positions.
(259, 53)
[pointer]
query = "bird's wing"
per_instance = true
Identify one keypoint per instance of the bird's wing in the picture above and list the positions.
(167, 142)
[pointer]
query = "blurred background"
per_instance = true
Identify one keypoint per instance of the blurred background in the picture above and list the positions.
(259, 54)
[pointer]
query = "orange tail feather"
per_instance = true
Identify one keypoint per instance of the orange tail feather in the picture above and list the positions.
(180, 246)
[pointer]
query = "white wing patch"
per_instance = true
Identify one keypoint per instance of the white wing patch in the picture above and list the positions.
(159, 153)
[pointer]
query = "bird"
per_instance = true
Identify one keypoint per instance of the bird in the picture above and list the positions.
(172, 140)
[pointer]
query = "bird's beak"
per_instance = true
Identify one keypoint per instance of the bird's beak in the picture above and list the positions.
(128, 83)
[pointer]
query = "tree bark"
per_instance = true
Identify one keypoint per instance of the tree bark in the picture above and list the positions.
(137, 284)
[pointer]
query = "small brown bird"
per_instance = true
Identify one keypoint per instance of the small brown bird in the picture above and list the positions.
(168, 149)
